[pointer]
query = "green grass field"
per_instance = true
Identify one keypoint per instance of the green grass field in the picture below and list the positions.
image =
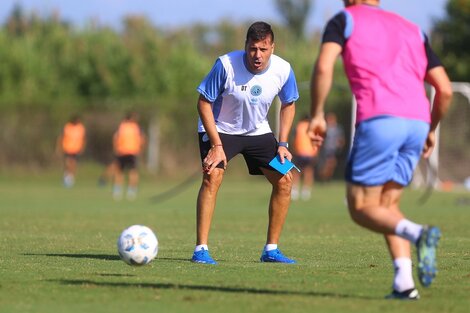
(59, 252)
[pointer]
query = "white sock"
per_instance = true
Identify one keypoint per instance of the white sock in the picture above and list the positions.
(200, 247)
(270, 246)
(295, 194)
(403, 279)
(306, 194)
(408, 230)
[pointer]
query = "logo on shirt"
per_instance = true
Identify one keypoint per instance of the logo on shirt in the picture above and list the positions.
(256, 90)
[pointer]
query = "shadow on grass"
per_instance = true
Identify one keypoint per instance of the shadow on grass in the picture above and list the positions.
(209, 288)
(110, 257)
(114, 275)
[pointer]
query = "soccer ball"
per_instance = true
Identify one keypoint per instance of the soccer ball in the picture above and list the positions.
(137, 245)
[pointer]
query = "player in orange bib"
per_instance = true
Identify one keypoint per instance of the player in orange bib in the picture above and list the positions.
(128, 142)
(305, 155)
(71, 143)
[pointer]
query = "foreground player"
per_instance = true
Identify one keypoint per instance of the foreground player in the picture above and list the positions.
(386, 59)
(233, 107)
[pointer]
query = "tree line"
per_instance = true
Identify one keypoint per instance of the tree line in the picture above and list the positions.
(52, 69)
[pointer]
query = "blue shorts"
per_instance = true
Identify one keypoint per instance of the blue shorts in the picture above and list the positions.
(386, 149)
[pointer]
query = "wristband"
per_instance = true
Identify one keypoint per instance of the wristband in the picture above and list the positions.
(283, 144)
(217, 145)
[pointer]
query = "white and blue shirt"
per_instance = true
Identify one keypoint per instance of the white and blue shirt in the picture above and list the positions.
(241, 99)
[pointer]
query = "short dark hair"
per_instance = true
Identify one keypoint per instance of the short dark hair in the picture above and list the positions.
(74, 119)
(130, 115)
(259, 31)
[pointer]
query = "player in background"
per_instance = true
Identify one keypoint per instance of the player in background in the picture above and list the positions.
(304, 156)
(108, 173)
(128, 143)
(71, 143)
(386, 59)
(233, 108)
(331, 148)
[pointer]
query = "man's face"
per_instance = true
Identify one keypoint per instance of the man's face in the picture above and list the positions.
(258, 54)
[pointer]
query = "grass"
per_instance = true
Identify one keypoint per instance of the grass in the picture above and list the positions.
(59, 251)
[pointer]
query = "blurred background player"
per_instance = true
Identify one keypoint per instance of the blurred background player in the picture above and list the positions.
(304, 156)
(387, 59)
(331, 148)
(128, 142)
(108, 173)
(71, 143)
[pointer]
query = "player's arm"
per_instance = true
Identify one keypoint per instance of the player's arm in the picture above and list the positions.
(320, 86)
(286, 117)
(204, 108)
(288, 95)
(437, 77)
(333, 40)
(212, 87)
(216, 153)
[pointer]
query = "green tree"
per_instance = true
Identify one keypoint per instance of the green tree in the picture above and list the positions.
(451, 39)
(295, 14)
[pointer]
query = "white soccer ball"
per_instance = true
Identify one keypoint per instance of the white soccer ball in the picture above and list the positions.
(137, 245)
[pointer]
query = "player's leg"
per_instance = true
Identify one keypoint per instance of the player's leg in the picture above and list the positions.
(307, 181)
(258, 151)
(118, 178)
(329, 166)
(133, 178)
(364, 203)
(376, 208)
(207, 196)
(403, 286)
(133, 184)
(108, 173)
(206, 201)
(296, 184)
(70, 166)
(278, 203)
(278, 208)
(205, 207)
(381, 155)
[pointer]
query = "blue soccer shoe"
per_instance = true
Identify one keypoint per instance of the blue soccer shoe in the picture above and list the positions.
(426, 248)
(275, 256)
(202, 256)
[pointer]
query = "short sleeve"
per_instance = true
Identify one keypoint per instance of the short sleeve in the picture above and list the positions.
(433, 59)
(214, 83)
(335, 29)
(289, 92)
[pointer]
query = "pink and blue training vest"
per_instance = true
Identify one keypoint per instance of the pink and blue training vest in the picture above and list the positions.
(385, 71)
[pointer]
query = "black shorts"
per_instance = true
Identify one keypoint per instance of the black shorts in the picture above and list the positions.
(71, 156)
(128, 161)
(304, 161)
(258, 151)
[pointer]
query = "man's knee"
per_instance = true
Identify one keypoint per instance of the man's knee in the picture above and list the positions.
(213, 181)
(284, 184)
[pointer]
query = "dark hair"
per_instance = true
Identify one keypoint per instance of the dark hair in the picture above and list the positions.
(74, 119)
(259, 31)
(131, 115)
